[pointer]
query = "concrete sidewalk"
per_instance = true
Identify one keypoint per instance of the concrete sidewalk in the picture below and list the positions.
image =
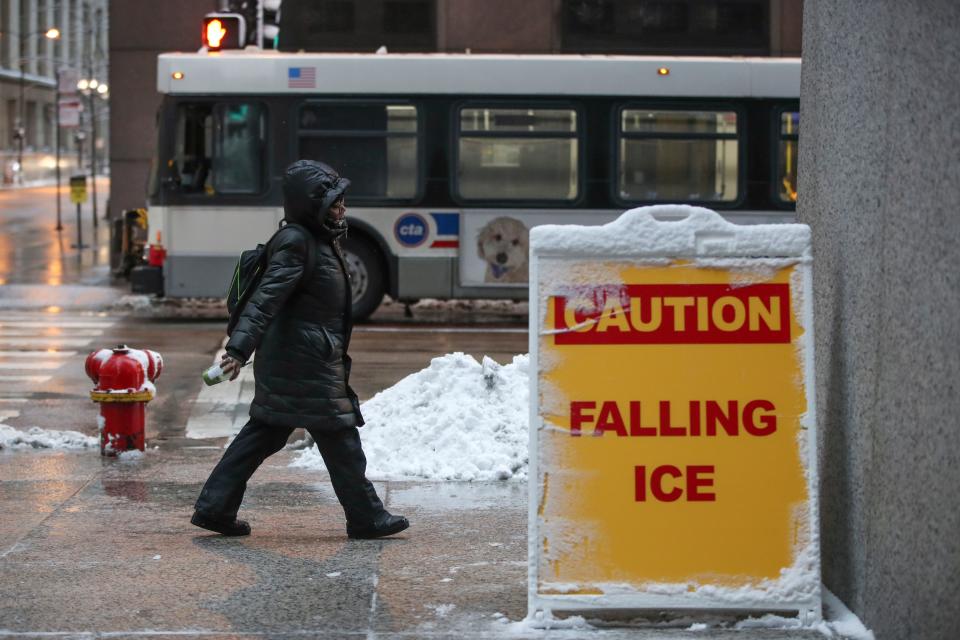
(92, 546)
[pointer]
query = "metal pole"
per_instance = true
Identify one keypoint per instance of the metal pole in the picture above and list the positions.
(21, 126)
(260, 24)
(93, 153)
(79, 229)
(57, 107)
(93, 114)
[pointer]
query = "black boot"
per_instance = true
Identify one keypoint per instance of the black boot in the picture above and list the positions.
(227, 528)
(385, 525)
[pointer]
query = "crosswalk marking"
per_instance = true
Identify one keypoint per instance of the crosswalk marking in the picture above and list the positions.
(45, 353)
(33, 324)
(34, 348)
(49, 341)
(31, 366)
(48, 332)
(25, 378)
(221, 410)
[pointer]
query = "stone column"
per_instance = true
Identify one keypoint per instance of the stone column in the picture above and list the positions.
(49, 45)
(879, 176)
(13, 32)
(33, 35)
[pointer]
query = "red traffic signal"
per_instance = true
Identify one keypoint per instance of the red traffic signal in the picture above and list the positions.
(224, 31)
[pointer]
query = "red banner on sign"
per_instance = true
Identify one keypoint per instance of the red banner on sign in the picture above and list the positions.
(674, 314)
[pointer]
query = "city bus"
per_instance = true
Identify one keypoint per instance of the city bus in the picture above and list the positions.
(453, 158)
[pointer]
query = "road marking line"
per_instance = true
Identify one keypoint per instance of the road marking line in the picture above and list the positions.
(53, 332)
(37, 354)
(41, 340)
(30, 324)
(31, 365)
(14, 400)
(25, 378)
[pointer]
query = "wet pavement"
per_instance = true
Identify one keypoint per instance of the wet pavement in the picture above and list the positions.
(40, 266)
(99, 547)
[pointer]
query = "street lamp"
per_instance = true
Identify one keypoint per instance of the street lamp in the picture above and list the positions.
(92, 88)
(51, 34)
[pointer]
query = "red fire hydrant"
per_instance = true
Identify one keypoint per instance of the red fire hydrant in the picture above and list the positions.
(124, 379)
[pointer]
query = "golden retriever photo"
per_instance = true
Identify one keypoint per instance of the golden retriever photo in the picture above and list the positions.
(503, 243)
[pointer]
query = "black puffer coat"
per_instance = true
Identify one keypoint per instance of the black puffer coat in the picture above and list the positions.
(300, 329)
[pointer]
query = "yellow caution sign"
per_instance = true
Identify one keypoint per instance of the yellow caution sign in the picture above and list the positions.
(672, 432)
(78, 189)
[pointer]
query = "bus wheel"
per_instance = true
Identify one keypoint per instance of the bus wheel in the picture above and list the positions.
(367, 276)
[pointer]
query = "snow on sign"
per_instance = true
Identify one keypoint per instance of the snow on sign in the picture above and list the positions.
(672, 433)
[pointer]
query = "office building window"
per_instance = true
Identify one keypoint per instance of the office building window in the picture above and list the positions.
(359, 25)
(723, 27)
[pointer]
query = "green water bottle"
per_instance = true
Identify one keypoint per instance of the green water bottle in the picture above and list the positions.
(215, 375)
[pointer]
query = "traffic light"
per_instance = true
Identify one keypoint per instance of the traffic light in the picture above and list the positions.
(224, 31)
(271, 23)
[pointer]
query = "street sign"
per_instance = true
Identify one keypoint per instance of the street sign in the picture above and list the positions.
(78, 189)
(67, 82)
(70, 109)
(673, 448)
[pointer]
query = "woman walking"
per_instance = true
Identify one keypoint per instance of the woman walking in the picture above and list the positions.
(299, 323)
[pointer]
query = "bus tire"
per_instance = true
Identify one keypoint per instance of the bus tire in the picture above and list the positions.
(368, 277)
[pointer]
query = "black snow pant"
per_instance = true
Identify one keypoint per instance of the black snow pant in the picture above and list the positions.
(342, 453)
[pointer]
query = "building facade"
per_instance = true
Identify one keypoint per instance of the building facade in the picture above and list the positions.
(639, 27)
(30, 60)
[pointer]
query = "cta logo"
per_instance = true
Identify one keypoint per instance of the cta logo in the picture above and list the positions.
(411, 230)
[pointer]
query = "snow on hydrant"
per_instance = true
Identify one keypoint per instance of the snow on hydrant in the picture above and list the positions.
(124, 379)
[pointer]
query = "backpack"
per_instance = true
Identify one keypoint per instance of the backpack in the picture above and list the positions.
(249, 271)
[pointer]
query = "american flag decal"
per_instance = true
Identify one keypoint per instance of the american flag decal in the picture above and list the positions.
(302, 78)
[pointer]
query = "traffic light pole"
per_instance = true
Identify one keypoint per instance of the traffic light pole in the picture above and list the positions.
(93, 128)
(260, 24)
(21, 124)
(57, 107)
(93, 154)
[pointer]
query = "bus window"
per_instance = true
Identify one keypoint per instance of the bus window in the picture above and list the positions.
(219, 148)
(192, 158)
(672, 155)
(375, 145)
(518, 154)
(787, 156)
(238, 157)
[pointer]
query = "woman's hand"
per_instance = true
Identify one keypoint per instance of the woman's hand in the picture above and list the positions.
(230, 365)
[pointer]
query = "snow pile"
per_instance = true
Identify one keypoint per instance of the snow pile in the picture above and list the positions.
(37, 438)
(544, 620)
(672, 230)
(457, 419)
(841, 621)
(130, 456)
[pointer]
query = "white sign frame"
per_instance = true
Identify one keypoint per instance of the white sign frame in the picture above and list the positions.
(710, 237)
